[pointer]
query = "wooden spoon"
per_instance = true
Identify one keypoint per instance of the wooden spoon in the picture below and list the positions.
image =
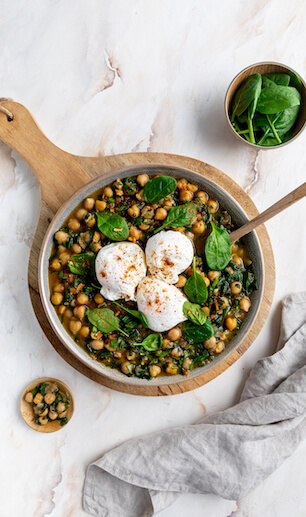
(275, 209)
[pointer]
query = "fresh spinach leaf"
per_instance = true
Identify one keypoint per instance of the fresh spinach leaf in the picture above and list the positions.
(151, 343)
(81, 264)
(104, 320)
(277, 78)
(218, 249)
(277, 98)
(137, 314)
(245, 95)
(158, 188)
(194, 313)
(195, 287)
(197, 333)
(182, 215)
(113, 226)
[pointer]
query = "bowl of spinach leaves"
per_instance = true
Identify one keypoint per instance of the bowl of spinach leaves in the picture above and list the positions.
(265, 105)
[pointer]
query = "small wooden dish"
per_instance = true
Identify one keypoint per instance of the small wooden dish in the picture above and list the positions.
(265, 68)
(26, 408)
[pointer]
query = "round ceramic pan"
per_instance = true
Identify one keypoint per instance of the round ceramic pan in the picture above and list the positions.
(226, 200)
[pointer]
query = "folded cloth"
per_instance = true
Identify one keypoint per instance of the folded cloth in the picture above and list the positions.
(228, 453)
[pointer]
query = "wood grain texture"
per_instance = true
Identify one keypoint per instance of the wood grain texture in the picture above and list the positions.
(60, 174)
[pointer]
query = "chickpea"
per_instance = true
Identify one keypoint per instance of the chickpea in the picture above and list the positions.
(64, 257)
(58, 288)
(96, 237)
(79, 311)
(68, 313)
(212, 206)
(193, 188)
(155, 370)
(57, 298)
(89, 203)
(237, 260)
(74, 224)
(118, 184)
(52, 415)
(181, 281)
(210, 343)
(176, 352)
(171, 368)
(223, 302)
(168, 203)
(84, 332)
(161, 214)
(206, 310)
(56, 265)
(147, 212)
(90, 220)
(247, 262)
(76, 249)
(212, 275)
(98, 298)
(224, 335)
(230, 323)
(97, 344)
(63, 414)
(236, 287)
(108, 192)
(43, 420)
(61, 309)
(186, 195)
(202, 196)
(61, 237)
(100, 205)
(28, 397)
(142, 179)
(206, 280)
(245, 304)
(97, 246)
(131, 357)
(82, 299)
(126, 367)
(119, 192)
(187, 363)
(134, 233)
(133, 211)
(174, 334)
(139, 195)
(38, 398)
(80, 214)
(49, 398)
(219, 347)
(143, 226)
(198, 228)
(166, 344)
(75, 326)
(44, 413)
(182, 183)
(60, 407)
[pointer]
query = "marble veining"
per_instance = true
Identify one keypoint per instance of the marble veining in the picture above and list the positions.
(113, 77)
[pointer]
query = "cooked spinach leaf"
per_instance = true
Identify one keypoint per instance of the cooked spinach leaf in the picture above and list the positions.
(196, 333)
(137, 314)
(218, 249)
(113, 226)
(194, 313)
(158, 188)
(104, 320)
(182, 215)
(82, 264)
(195, 287)
(151, 343)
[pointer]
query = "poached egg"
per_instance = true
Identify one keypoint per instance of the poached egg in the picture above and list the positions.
(161, 303)
(168, 254)
(120, 267)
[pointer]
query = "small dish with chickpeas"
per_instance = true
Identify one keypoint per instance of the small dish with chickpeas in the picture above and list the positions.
(47, 405)
(144, 280)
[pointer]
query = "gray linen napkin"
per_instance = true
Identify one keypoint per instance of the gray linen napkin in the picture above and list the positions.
(228, 453)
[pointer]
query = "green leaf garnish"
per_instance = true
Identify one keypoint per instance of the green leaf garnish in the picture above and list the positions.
(195, 287)
(104, 320)
(218, 249)
(113, 226)
(194, 313)
(158, 188)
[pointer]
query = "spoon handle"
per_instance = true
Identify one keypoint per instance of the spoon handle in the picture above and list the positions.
(275, 209)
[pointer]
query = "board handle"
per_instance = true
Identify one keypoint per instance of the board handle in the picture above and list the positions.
(58, 172)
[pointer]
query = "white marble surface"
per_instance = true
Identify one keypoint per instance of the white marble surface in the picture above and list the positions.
(107, 77)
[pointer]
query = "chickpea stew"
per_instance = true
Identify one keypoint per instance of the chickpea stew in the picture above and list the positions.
(49, 403)
(214, 290)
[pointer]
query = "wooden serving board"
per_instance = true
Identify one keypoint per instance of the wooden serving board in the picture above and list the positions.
(60, 174)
